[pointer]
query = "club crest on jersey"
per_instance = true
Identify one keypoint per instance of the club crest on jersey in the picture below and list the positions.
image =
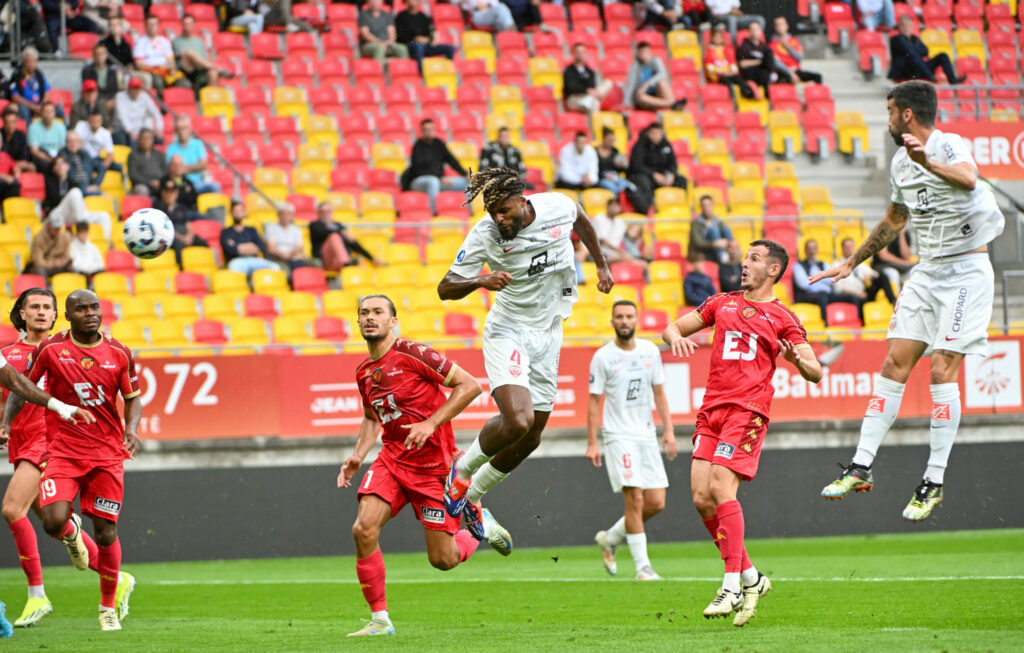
(87, 363)
(555, 231)
(515, 370)
(377, 375)
(749, 312)
(724, 450)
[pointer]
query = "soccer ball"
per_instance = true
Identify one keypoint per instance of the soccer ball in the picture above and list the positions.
(148, 233)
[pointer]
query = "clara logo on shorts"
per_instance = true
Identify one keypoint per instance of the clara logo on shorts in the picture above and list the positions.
(724, 450)
(106, 506)
(432, 515)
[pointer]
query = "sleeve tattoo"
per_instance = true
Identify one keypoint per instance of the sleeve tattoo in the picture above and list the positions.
(884, 232)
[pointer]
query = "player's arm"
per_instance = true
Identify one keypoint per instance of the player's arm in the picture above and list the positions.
(454, 286)
(593, 424)
(585, 230)
(369, 430)
(803, 359)
(24, 390)
(884, 233)
(962, 175)
(465, 388)
(677, 335)
(132, 417)
(668, 437)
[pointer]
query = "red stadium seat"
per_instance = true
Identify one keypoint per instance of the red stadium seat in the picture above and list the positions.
(668, 250)
(132, 203)
(619, 17)
(548, 44)
(309, 279)
(192, 284)
(818, 130)
(165, 11)
(553, 17)
(266, 45)
(23, 282)
(842, 314)
(872, 52)
(716, 97)
(333, 329)
(120, 261)
(275, 155)
(540, 99)
(403, 71)
(937, 16)
(713, 124)
(819, 98)
(434, 100)
(839, 23)
(449, 202)
(784, 98)
(368, 71)
(209, 332)
(460, 325)
(585, 18)
(80, 44)
(230, 43)
(301, 44)
(511, 44)
(33, 185)
(653, 320)
(473, 71)
(261, 306)
(308, 12)
(380, 179)
(411, 201)
(252, 100)
(628, 274)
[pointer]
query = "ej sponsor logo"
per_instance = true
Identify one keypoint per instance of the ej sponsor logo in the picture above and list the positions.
(432, 515)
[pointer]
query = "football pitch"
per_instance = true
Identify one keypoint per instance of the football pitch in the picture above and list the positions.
(953, 591)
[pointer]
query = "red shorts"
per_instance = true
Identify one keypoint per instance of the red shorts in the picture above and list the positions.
(400, 486)
(32, 449)
(100, 484)
(730, 437)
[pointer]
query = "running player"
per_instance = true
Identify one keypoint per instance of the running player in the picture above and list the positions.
(752, 328)
(946, 305)
(527, 244)
(400, 384)
(84, 366)
(629, 373)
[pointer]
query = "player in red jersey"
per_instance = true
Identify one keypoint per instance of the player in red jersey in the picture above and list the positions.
(400, 384)
(88, 368)
(752, 328)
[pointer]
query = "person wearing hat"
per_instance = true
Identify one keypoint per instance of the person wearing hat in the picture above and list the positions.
(89, 102)
(50, 253)
(135, 110)
(181, 217)
(652, 165)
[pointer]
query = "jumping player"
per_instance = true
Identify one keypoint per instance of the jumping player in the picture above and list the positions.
(629, 374)
(946, 305)
(87, 367)
(400, 384)
(752, 328)
(526, 243)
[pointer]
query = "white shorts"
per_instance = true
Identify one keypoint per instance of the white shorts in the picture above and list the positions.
(518, 355)
(634, 463)
(947, 305)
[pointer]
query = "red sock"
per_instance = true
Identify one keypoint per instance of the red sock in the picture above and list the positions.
(370, 571)
(94, 552)
(467, 544)
(28, 550)
(711, 523)
(109, 569)
(69, 529)
(730, 520)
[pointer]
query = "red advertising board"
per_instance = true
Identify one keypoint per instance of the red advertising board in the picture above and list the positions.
(997, 147)
(301, 396)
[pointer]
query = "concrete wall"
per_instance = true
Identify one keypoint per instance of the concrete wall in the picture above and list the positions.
(298, 511)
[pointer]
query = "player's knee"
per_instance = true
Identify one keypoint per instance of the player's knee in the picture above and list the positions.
(518, 423)
(896, 369)
(11, 511)
(703, 503)
(530, 441)
(442, 561)
(364, 533)
(652, 506)
(105, 534)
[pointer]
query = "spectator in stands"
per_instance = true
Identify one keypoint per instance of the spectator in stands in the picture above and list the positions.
(86, 171)
(910, 58)
(377, 35)
(611, 234)
(192, 57)
(50, 252)
(577, 164)
(501, 153)
(245, 13)
(85, 256)
(29, 88)
(426, 165)
(169, 202)
(490, 14)
(822, 292)
(730, 273)
(99, 72)
(187, 195)
(635, 243)
(414, 28)
(695, 13)
(729, 12)
(154, 56)
(756, 60)
(895, 261)
(46, 136)
(74, 21)
(146, 166)
(876, 13)
(118, 47)
(697, 284)
(647, 84)
(284, 240)
(9, 186)
(864, 282)
(720, 63)
(97, 141)
(242, 246)
(708, 234)
(582, 86)
(87, 103)
(652, 164)
(664, 14)
(611, 164)
(15, 142)
(333, 244)
(526, 13)
(789, 54)
(99, 12)
(193, 153)
(64, 194)
(135, 110)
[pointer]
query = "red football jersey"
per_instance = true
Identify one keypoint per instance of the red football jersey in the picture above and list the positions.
(404, 387)
(89, 376)
(31, 421)
(745, 348)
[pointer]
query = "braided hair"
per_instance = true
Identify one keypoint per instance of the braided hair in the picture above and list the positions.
(16, 319)
(496, 184)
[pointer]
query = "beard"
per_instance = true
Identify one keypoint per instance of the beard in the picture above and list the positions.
(374, 337)
(625, 333)
(897, 136)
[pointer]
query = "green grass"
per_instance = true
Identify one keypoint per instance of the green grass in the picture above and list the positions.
(925, 592)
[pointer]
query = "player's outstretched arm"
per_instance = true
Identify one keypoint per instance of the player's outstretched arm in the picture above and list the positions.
(593, 423)
(668, 437)
(369, 429)
(585, 230)
(677, 335)
(28, 391)
(132, 417)
(803, 359)
(465, 388)
(884, 233)
(454, 286)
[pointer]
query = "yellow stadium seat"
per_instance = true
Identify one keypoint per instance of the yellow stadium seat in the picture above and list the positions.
(341, 303)
(787, 137)
(197, 259)
(311, 181)
(389, 156)
(745, 202)
(130, 333)
(168, 333)
(113, 185)
(1003, 115)
(782, 174)
(248, 331)
(466, 153)
(209, 201)
(376, 206)
(229, 282)
(110, 283)
(969, 43)
(810, 316)
(877, 315)
(220, 307)
(67, 282)
(816, 200)
(669, 196)
(402, 276)
(299, 304)
(401, 254)
(661, 295)
(291, 101)
(677, 232)
(269, 281)
(180, 308)
(595, 200)
(358, 277)
(665, 271)
(537, 154)
(760, 106)
(217, 101)
(823, 236)
(439, 72)
(853, 133)
(479, 45)
(150, 283)
(270, 180)
(683, 44)
(323, 130)
(937, 41)
(21, 207)
(507, 99)
(680, 126)
(441, 252)
(121, 153)
(291, 330)
(100, 203)
(716, 194)
(545, 71)
(317, 156)
(714, 151)
(137, 308)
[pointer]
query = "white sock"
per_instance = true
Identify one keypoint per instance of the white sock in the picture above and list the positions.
(36, 592)
(749, 576)
(381, 616)
(472, 460)
(638, 549)
(732, 582)
(883, 407)
(484, 479)
(945, 422)
(617, 533)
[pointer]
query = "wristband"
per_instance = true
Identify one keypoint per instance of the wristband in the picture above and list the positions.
(65, 411)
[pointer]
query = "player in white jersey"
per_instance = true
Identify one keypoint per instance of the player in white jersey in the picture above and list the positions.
(945, 306)
(629, 374)
(526, 243)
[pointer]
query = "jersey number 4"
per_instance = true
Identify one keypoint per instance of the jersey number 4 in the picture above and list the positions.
(90, 395)
(731, 346)
(386, 412)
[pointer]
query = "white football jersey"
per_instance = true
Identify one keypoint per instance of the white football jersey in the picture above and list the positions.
(540, 260)
(946, 220)
(625, 378)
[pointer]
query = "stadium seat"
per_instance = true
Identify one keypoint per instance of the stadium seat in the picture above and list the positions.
(937, 41)
(291, 330)
(439, 72)
(330, 328)
(809, 315)
(818, 132)
(842, 314)
(310, 280)
(209, 332)
(839, 23)
(180, 308)
(969, 43)
(853, 132)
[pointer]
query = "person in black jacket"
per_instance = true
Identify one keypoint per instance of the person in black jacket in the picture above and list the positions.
(15, 143)
(652, 165)
(415, 29)
(332, 243)
(118, 47)
(168, 202)
(426, 166)
(910, 58)
(501, 153)
(756, 60)
(100, 71)
(582, 86)
(242, 245)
